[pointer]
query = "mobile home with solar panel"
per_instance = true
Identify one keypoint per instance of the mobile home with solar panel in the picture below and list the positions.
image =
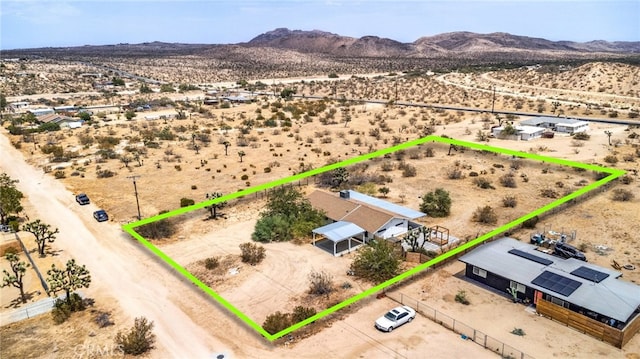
(572, 287)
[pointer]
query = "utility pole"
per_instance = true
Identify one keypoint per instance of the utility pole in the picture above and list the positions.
(135, 190)
(493, 102)
(396, 91)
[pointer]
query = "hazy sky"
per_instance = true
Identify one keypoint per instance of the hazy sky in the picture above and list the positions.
(27, 24)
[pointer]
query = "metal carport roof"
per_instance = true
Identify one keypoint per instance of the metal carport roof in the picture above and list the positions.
(339, 231)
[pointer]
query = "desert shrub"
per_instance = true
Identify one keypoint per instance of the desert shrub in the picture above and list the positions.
(377, 262)
(549, 193)
(276, 322)
(387, 166)
(581, 136)
(301, 313)
(461, 297)
(10, 250)
(599, 175)
(626, 179)
(485, 215)
(252, 253)
(267, 169)
(509, 201)
(611, 159)
(409, 170)
(63, 308)
(473, 174)
(139, 339)
(163, 228)
(320, 283)
(105, 173)
(436, 203)
(59, 174)
(483, 183)
(428, 152)
(518, 331)
(622, 195)
(455, 173)
(508, 180)
(102, 319)
(530, 223)
(186, 202)
(515, 164)
(211, 263)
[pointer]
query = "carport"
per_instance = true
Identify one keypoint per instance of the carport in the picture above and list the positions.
(339, 237)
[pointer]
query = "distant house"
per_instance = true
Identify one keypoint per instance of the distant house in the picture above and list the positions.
(63, 121)
(65, 109)
(18, 106)
(358, 216)
(41, 111)
(575, 289)
(523, 133)
(558, 124)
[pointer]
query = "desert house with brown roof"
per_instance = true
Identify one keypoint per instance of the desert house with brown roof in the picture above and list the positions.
(61, 120)
(358, 218)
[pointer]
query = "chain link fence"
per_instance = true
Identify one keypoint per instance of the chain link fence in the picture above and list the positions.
(466, 332)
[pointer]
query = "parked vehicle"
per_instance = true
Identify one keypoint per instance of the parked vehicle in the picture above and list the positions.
(565, 250)
(82, 199)
(395, 318)
(100, 215)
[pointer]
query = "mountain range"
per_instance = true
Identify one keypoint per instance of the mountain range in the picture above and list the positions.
(316, 41)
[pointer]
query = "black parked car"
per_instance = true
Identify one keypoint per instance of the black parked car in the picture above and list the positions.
(568, 251)
(100, 215)
(82, 199)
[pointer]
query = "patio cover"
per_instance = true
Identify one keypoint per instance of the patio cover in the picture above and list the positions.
(338, 232)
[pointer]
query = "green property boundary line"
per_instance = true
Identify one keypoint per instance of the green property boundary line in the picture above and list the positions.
(129, 228)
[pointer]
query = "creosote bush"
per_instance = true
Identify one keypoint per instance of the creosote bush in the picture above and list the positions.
(62, 308)
(279, 321)
(211, 263)
(483, 183)
(509, 201)
(485, 215)
(320, 283)
(622, 195)
(163, 228)
(186, 202)
(508, 180)
(139, 339)
(252, 253)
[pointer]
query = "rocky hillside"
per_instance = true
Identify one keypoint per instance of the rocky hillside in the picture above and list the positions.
(443, 44)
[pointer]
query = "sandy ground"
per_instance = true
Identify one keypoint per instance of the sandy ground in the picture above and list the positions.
(103, 247)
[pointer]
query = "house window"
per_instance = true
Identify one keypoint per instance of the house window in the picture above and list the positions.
(517, 286)
(556, 301)
(479, 272)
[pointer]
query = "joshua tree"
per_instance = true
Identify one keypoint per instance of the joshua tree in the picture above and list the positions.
(42, 233)
(241, 154)
(608, 133)
(15, 279)
(214, 207)
(226, 145)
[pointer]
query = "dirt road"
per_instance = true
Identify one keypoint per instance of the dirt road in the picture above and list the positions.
(121, 270)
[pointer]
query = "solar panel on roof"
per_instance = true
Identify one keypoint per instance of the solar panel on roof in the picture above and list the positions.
(590, 274)
(531, 257)
(556, 283)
